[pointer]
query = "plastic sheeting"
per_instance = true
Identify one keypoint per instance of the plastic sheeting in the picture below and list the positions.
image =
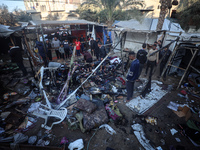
(141, 105)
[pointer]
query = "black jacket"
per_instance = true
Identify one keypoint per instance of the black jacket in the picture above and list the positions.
(92, 44)
(142, 56)
(96, 47)
(102, 52)
(15, 54)
(165, 55)
(48, 46)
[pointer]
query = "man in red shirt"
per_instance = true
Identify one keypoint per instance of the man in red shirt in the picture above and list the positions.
(78, 47)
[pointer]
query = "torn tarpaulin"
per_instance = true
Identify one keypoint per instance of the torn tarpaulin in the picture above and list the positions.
(141, 105)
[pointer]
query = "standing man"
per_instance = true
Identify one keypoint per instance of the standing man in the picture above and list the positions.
(16, 57)
(42, 52)
(66, 48)
(82, 40)
(88, 59)
(108, 45)
(78, 47)
(92, 46)
(165, 54)
(102, 51)
(48, 46)
(96, 49)
(151, 60)
(159, 45)
(142, 57)
(56, 45)
(132, 75)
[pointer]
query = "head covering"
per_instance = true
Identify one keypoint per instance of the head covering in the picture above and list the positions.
(131, 53)
(144, 45)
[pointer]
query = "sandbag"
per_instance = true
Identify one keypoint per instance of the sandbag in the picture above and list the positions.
(85, 105)
(95, 119)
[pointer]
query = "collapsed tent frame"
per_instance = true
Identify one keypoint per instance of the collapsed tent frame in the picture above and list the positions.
(194, 51)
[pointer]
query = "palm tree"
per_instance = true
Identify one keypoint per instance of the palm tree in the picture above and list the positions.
(163, 12)
(110, 9)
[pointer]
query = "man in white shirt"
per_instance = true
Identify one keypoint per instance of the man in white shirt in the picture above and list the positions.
(56, 45)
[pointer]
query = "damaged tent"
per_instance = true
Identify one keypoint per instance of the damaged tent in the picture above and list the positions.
(9, 34)
(144, 31)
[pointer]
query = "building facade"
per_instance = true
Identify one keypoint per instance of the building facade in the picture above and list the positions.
(51, 9)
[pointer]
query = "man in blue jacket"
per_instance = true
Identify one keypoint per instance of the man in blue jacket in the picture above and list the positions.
(132, 75)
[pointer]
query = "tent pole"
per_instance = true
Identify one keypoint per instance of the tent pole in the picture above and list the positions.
(122, 47)
(12, 41)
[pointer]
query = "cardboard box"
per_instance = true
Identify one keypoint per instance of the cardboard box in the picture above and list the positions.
(183, 112)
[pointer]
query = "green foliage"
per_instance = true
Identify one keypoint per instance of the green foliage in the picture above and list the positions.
(107, 11)
(12, 18)
(52, 17)
(190, 16)
(22, 15)
(183, 4)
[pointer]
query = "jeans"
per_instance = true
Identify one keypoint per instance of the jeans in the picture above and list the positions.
(22, 68)
(130, 89)
(162, 66)
(78, 53)
(49, 54)
(140, 69)
(62, 55)
(150, 64)
(67, 53)
(57, 54)
(97, 55)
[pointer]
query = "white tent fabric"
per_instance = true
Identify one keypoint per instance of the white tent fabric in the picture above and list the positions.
(4, 31)
(149, 25)
(133, 24)
(167, 26)
(93, 33)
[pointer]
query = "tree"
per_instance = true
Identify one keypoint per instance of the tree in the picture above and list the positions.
(12, 18)
(107, 11)
(163, 12)
(188, 14)
(21, 15)
(6, 18)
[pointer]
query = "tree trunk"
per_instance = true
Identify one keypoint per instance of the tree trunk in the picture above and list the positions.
(163, 12)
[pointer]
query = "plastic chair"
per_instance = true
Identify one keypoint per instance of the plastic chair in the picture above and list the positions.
(48, 112)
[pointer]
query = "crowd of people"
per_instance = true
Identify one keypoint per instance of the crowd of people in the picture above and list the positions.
(63, 49)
